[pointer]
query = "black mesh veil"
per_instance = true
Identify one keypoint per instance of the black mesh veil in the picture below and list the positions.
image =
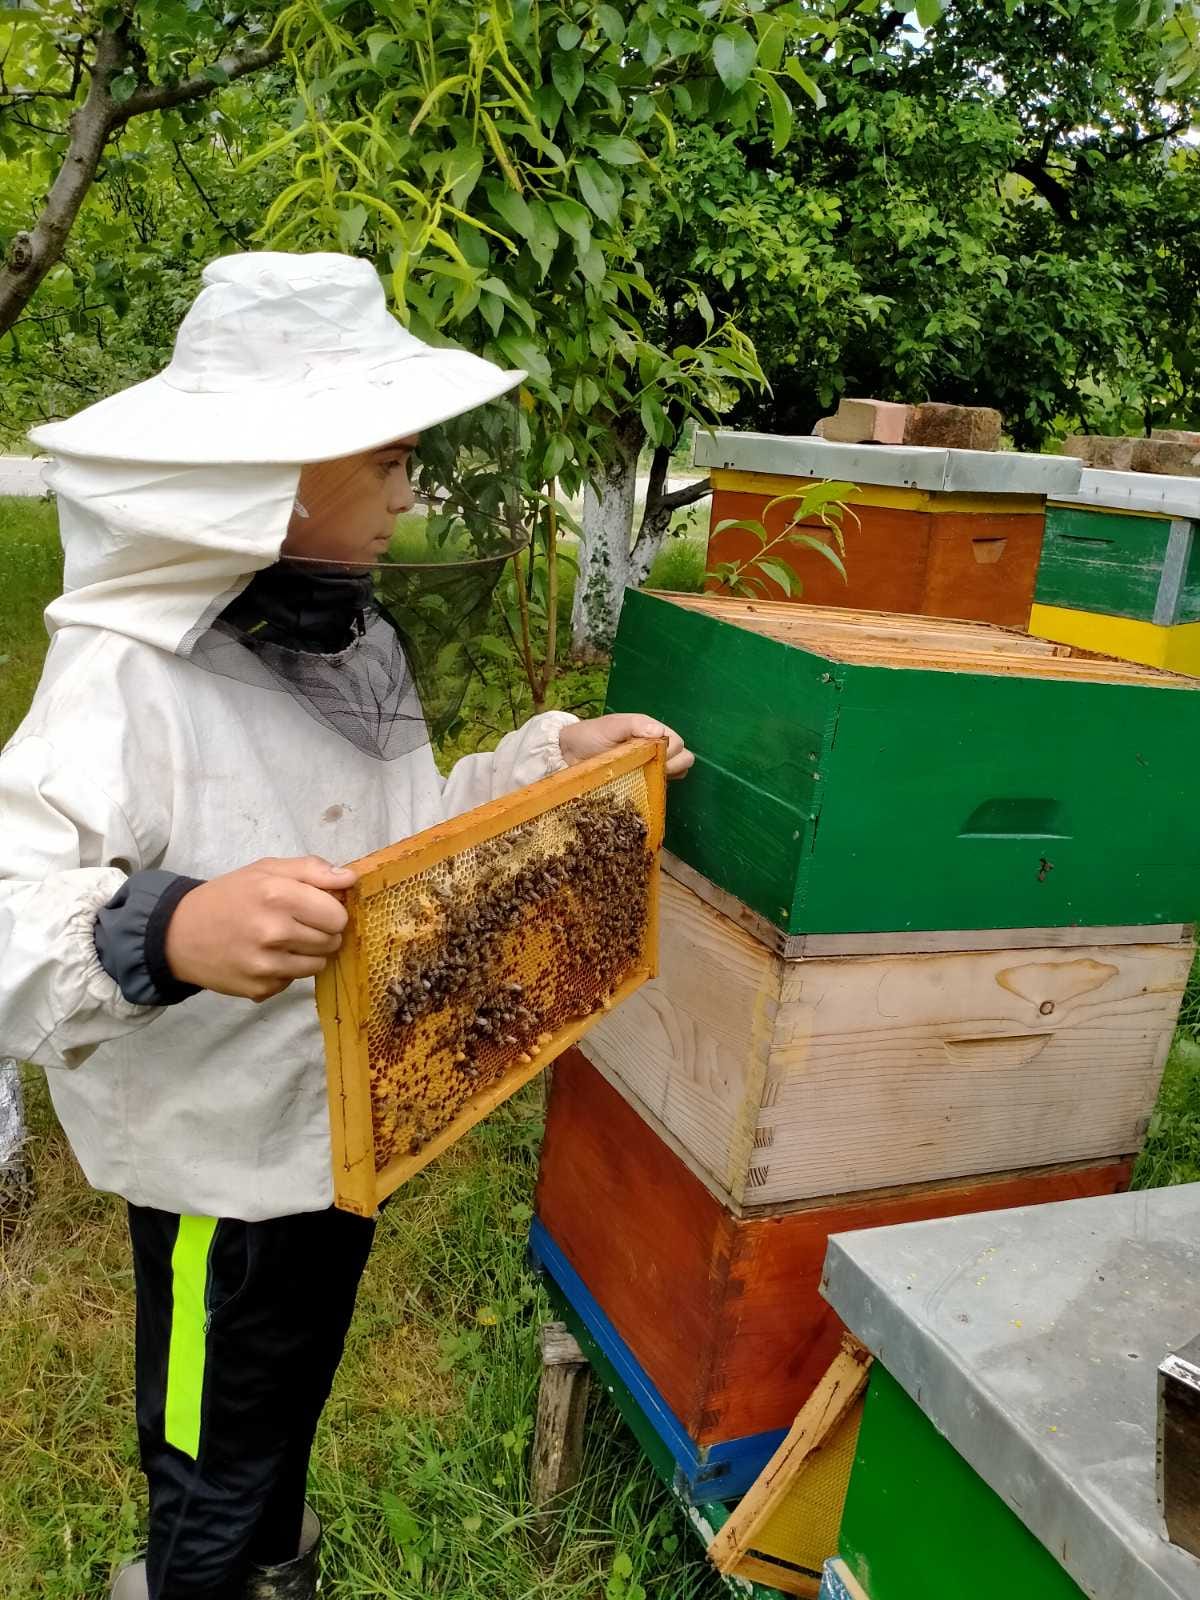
(383, 654)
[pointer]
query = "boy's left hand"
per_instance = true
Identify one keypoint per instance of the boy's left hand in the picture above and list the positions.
(598, 735)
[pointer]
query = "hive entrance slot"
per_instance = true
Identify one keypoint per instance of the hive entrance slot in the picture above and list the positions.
(1016, 818)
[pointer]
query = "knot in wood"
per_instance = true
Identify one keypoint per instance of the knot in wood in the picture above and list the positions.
(20, 252)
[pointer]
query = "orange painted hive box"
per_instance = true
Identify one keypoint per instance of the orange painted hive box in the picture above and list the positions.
(932, 532)
(723, 1313)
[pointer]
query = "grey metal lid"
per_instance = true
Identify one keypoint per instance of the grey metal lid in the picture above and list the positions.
(893, 465)
(1031, 1339)
(1136, 491)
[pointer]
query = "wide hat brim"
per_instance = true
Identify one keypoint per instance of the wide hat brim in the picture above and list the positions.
(264, 424)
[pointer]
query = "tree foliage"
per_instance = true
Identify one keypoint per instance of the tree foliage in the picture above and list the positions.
(75, 73)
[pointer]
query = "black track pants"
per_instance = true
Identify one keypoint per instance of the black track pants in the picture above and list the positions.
(240, 1328)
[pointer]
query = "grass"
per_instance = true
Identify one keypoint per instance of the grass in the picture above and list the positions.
(420, 1464)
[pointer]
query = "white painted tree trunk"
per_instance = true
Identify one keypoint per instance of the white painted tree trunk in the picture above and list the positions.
(605, 562)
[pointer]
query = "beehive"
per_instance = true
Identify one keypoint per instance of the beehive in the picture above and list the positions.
(943, 533)
(715, 1320)
(875, 774)
(1120, 569)
(477, 951)
(780, 1080)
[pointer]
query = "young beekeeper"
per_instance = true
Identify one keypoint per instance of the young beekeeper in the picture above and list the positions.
(224, 712)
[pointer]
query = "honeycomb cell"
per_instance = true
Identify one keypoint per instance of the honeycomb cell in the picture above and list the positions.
(476, 963)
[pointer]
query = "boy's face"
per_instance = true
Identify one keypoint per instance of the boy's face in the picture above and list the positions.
(352, 505)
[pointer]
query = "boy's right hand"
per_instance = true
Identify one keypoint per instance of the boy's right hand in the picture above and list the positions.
(252, 932)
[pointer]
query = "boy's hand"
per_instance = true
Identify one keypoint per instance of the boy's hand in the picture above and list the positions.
(579, 740)
(251, 932)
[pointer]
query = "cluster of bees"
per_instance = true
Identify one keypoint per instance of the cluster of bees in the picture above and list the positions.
(511, 941)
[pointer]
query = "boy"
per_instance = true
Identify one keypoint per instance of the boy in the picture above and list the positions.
(223, 713)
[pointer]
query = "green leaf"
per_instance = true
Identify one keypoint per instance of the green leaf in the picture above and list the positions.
(928, 12)
(122, 86)
(592, 263)
(811, 543)
(781, 574)
(512, 207)
(377, 42)
(616, 151)
(351, 223)
(612, 22)
(566, 72)
(573, 219)
(472, 1524)
(622, 1565)
(798, 75)
(734, 53)
(599, 190)
(568, 36)
(781, 111)
(402, 1524)
(558, 453)
(462, 169)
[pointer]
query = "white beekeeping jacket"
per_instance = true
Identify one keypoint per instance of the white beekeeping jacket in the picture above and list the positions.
(132, 757)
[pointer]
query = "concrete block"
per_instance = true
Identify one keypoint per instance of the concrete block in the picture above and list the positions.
(1100, 450)
(954, 427)
(868, 422)
(1172, 457)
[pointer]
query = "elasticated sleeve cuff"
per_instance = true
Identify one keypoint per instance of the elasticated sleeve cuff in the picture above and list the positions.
(131, 937)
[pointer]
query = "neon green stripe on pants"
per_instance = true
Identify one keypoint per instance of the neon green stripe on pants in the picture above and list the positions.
(189, 1326)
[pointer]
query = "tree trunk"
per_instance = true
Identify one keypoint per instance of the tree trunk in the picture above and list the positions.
(605, 560)
(657, 513)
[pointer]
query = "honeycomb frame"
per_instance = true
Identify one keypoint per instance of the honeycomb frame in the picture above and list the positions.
(409, 880)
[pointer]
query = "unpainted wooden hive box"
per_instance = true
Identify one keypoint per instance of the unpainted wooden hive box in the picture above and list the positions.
(872, 773)
(782, 1080)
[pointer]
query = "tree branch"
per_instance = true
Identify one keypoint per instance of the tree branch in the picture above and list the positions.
(32, 254)
(1055, 194)
(687, 496)
(1127, 147)
(162, 96)
(209, 203)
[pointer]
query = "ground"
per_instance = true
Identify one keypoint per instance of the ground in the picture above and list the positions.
(420, 1466)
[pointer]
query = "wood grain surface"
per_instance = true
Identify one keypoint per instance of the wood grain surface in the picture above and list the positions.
(723, 1314)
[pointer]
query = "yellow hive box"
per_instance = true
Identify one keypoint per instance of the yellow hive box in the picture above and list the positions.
(479, 950)
(1176, 648)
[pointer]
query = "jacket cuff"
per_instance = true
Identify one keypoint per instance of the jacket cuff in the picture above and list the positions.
(131, 937)
(548, 747)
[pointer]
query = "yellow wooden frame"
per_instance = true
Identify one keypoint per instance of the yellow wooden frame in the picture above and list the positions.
(833, 1404)
(342, 988)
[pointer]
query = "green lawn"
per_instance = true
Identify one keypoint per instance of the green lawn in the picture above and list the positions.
(420, 1467)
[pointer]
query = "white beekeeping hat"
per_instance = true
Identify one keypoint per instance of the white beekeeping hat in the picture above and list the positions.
(282, 359)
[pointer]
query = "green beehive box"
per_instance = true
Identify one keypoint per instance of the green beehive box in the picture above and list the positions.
(1123, 563)
(860, 773)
